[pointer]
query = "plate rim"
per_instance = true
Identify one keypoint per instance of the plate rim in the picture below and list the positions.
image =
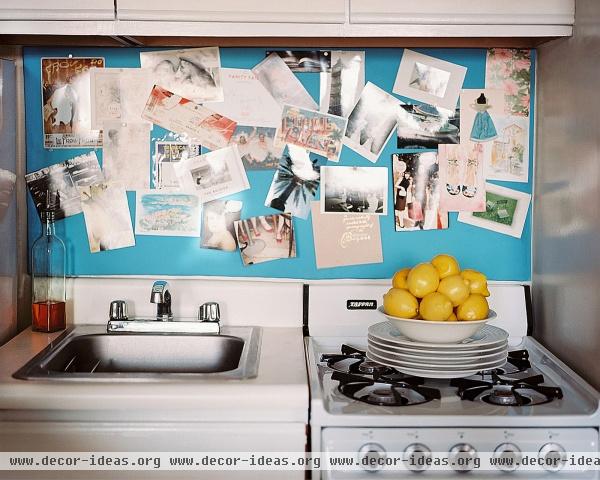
(476, 369)
(425, 357)
(437, 351)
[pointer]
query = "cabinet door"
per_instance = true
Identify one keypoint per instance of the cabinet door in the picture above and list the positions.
(57, 10)
(261, 11)
(464, 12)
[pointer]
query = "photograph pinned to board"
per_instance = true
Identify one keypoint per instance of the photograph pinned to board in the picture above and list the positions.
(505, 212)
(118, 94)
(63, 179)
(341, 86)
(179, 115)
(218, 224)
(214, 174)
(306, 61)
(166, 155)
(317, 132)
(461, 176)
(7, 186)
(126, 154)
(256, 146)
(282, 84)
(168, 214)
(192, 73)
(343, 240)
(295, 183)
(417, 192)
(510, 70)
(354, 190)
(479, 110)
(66, 105)
(263, 239)
(372, 122)
(107, 218)
(429, 79)
(247, 101)
(426, 126)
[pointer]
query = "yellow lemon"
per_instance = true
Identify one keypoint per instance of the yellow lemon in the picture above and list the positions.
(452, 317)
(399, 280)
(473, 308)
(477, 282)
(435, 306)
(455, 288)
(446, 265)
(423, 279)
(400, 303)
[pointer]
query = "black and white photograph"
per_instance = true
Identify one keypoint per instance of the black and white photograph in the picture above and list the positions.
(192, 73)
(354, 190)
(308, 61)
(426, 126)
(107, 219)
(266, 238)
(295, 183)
(61, 180)
(341, 86)
(429, 79)
(7, 187)
(218, 224)
(372, 122)
(166, 155)
(257, 147)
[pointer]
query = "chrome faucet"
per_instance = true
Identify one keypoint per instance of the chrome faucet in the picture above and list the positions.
(162, 297)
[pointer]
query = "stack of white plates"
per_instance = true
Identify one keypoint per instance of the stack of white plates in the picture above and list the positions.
(485, 350)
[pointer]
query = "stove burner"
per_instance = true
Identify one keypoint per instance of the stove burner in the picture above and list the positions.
(384, 396)
(505, 396)
(373, 368)
(352, 360)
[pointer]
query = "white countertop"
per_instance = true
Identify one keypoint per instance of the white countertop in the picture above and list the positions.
(279, 393)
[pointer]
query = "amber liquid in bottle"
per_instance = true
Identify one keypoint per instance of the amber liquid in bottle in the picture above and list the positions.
(48, 316)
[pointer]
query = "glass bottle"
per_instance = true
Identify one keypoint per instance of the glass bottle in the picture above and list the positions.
(48, 278)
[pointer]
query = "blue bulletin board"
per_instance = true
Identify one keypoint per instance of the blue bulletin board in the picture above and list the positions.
(501, 257)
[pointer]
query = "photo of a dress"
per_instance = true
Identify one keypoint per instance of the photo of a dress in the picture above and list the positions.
(66, 104)
(218, 224)
(354, 190)
(266, 238)
(417, 192)
(426, 126)
(257, 147)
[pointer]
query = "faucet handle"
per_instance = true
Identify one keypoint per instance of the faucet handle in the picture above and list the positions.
(209, 312)
(118, 310)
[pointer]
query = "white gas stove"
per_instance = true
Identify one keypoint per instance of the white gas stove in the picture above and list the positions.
(534, 403)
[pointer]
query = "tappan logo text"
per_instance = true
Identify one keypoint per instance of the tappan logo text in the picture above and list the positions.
(361, 304)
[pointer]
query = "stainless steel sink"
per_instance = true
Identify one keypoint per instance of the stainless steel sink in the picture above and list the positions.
(88, 353)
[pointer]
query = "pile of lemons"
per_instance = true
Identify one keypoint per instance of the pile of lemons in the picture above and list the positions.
(438, 290)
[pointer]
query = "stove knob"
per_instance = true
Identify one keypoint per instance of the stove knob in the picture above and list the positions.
(507, 457)
(370, 455)
(462, 457)
(552, 457)
(417, 457)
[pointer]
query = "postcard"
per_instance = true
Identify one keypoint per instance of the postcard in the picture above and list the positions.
(461, 177)
(425, 126)
(247, 101)
(308, 61)
(282, 84)
(341, 86)
(192, 73)
(372, 122)
(126, 154)
(295, 183)
(505, 211)
(213, 175)
(429, 80)
(263, 239)
(63, 179)
(218, 224)
(7, 186)
(257, 147)
(166, 155)
(417, 192)
(168, 214)
(119, 94)
(107, 218)
(354, 190)
(317, 132)
(179, 115)
(348, 239)
(66, 105)
(510, 70)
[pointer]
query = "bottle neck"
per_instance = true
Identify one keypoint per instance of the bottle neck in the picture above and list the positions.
(49, 225)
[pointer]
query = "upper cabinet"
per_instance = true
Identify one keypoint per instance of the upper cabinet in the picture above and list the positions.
(57, 10)
(255, 11)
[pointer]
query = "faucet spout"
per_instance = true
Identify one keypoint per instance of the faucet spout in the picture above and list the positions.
(162, 297)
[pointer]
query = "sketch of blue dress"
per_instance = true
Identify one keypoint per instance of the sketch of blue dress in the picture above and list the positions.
(483, 128)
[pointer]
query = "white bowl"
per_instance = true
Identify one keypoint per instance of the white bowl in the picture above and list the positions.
(432, 331)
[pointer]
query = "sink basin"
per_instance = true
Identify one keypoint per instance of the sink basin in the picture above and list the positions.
(88, 353)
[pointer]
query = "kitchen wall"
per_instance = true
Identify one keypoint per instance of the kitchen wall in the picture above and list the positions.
(566, 260)
(501, 257)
